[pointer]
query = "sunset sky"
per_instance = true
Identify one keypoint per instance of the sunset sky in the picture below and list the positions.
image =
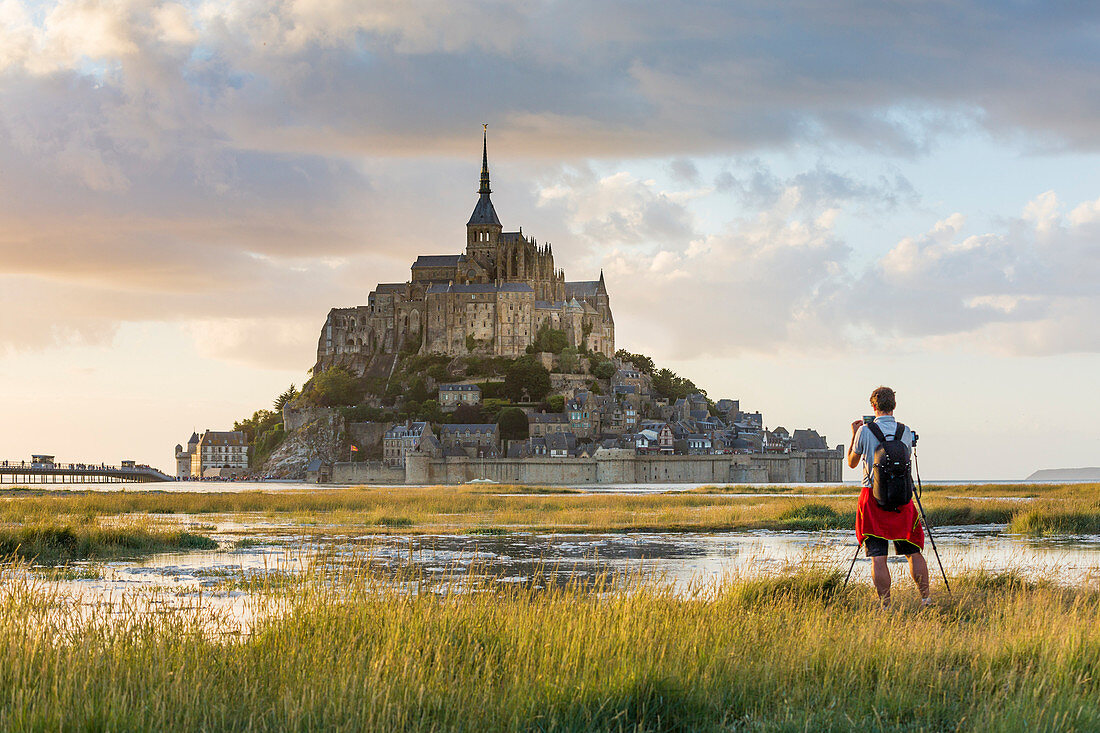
(792, 203)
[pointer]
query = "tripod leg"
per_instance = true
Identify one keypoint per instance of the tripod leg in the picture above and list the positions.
(853, 565)
(933, 541)
(924, 521)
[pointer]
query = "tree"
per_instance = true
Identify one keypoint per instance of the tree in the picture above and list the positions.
(604, 369)
(468, 415)
(260, 422)
(430, 412)
(527, 380)
(556, 403)
(671, 385)
(335, 387)
(641, 362)
(418, 390)
(568, 360)
(288, 395)
(512, 423)
(549, 339)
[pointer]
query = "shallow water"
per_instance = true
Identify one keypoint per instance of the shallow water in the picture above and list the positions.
(211, 579)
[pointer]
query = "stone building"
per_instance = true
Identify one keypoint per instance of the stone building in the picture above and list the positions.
(184, 457)
(226, 449)
(453, 395)
(491, 299)
(400, 439)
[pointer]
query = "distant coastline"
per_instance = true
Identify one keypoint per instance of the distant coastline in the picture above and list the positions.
(1091, 473)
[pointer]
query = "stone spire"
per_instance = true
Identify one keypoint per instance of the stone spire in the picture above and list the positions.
(485, 190)
(484, 213)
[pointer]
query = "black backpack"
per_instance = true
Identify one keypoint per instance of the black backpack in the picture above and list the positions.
(891, 479)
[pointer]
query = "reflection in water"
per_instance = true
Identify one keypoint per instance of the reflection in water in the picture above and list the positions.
(219, 579)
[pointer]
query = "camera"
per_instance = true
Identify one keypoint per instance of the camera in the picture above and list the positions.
(868, 419)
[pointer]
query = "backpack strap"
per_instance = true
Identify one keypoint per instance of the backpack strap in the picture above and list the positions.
(899, 432)
(876, 431)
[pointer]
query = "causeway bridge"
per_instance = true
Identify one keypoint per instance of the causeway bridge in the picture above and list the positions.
(33, 472)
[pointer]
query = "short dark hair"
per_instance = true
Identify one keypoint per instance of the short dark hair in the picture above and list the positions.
(883, 399)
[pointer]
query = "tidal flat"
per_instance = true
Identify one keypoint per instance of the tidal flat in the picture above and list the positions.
(529, 608)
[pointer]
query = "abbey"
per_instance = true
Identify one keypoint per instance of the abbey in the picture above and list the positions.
(492, 299)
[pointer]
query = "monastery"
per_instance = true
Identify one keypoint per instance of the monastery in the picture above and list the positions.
(492, 299)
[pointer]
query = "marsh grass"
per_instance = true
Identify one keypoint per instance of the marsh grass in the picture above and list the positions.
(457, 509)
(795, 651)
(57, 542)
(1057, 518)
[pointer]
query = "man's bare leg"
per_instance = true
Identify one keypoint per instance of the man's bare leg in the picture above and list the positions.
(918, 568)
(880, 573)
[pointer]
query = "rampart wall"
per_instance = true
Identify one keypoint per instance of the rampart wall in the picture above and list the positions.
(607, 467)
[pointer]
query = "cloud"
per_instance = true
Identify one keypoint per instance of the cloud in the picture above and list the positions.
(1030, 289)
(226, 163)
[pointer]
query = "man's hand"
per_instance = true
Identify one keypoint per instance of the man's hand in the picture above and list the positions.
(855, 426)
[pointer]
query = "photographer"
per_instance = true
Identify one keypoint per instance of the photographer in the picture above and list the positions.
(877, 525)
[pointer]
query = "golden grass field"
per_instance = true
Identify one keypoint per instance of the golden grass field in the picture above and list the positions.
(1046, 510)
(344, 645)
(342, 650)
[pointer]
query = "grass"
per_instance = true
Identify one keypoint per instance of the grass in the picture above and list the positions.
(1053, 518)
(52, 543)
(458, 509)
(793, 652)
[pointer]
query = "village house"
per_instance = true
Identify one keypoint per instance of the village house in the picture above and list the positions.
(453, 395)
(476, 440)
(401, 439)
(584, 415)
(541, 424)
(220, 453)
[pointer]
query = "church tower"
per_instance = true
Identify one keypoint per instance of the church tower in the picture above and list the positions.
(483, 229)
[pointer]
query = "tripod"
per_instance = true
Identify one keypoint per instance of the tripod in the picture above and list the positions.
(923, 520)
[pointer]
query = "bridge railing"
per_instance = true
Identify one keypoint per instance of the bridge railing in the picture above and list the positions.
(32, 466)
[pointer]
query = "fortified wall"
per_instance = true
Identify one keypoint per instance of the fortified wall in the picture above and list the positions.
(617, 466)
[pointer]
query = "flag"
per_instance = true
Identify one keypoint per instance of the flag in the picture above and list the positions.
(354, 449)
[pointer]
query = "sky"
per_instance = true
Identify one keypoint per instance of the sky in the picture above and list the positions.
(792, 203)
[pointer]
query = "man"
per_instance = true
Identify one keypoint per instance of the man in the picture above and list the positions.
(875, 526)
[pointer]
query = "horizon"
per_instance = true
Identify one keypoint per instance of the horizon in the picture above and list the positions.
(787, 211)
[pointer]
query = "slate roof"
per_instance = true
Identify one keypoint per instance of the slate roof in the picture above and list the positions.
(438, 261)
(808, 440)
(390, 287)
(441, 288)
(472, 427)
(547, 418)
(459, 388)
(516, 288)
(228, 437)
(484, 213)
(582, 289)
(560, 441)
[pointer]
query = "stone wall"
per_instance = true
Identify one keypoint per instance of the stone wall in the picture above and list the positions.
(622, 466)
(366, 472)
(367, 435)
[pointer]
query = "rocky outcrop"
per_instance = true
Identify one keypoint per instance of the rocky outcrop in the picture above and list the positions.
(323, 437)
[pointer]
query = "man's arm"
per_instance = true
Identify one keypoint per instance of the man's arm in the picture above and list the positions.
(853, 455)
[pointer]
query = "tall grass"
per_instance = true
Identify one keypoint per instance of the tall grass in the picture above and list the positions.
(796, 652)
(52, 542)
(462, 509)
(1054, 518)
